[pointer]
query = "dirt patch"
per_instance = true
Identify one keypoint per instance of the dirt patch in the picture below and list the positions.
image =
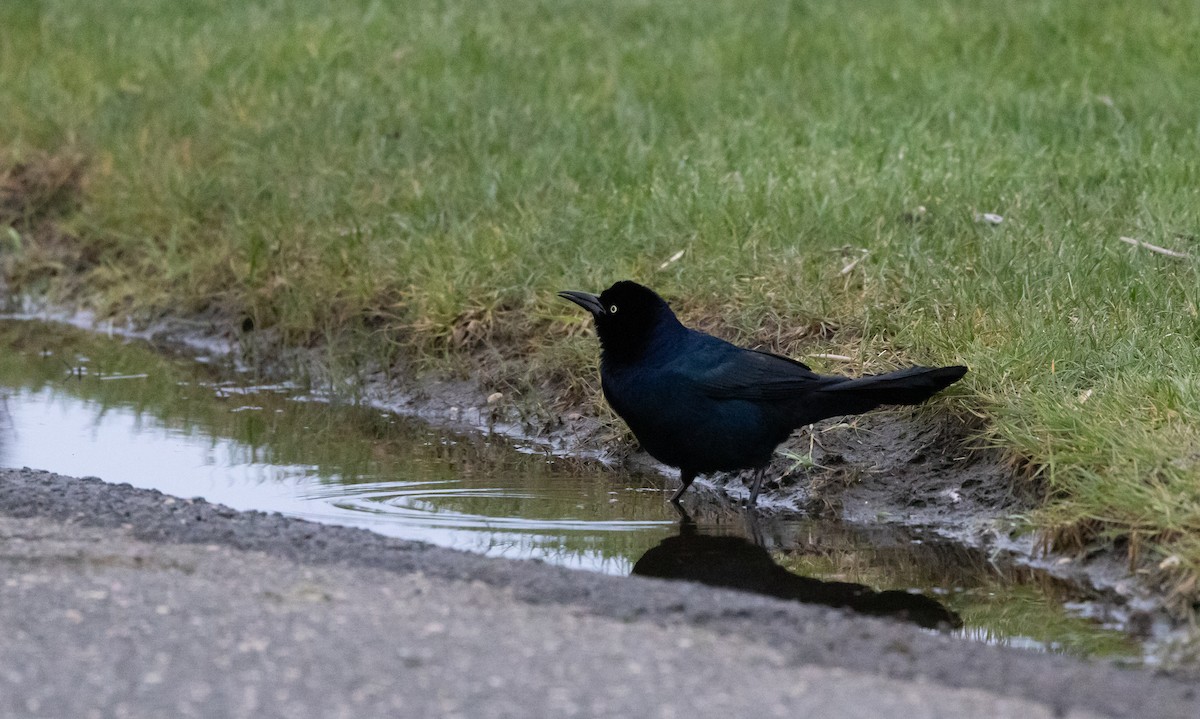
(36, 195)
(43, 188)
(919, 467)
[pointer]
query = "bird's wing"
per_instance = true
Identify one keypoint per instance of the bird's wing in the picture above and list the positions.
(738, 373)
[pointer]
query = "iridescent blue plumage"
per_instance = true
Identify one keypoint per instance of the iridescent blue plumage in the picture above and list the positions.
(701, 404)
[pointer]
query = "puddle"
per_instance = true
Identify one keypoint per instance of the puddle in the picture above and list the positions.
(83, 405)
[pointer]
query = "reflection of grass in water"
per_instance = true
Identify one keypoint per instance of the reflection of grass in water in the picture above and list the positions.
(345, 445)
(1001, 611)
(996, 607)
(352, 442)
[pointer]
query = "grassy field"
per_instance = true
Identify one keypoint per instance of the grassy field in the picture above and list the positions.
(419, 178)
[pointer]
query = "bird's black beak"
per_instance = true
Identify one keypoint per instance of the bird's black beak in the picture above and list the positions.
(591, 303)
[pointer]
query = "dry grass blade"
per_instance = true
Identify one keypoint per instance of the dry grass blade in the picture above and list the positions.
(1155, 248)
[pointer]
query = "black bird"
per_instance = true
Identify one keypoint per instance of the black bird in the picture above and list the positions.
(704, 405)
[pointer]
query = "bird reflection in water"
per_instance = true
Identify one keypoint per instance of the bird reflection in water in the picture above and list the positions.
(736, 563)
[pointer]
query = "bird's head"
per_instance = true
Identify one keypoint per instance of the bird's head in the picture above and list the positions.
(628, 318)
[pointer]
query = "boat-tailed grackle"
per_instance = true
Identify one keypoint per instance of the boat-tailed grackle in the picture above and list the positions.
(702, 405)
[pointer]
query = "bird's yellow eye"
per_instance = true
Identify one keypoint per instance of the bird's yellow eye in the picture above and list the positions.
(612, 309)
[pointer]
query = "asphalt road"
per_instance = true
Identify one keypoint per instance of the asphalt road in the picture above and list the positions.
(120, 602)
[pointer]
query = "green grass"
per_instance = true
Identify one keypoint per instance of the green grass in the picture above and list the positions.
(419, 179)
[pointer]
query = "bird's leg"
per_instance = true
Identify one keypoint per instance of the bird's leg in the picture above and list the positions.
(753, 530)
(757, 485)
(685, 480)
(687, 525)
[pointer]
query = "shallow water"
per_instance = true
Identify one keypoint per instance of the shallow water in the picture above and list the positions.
(79, 404)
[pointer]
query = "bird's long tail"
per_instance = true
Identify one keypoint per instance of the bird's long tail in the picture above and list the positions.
(907, 386)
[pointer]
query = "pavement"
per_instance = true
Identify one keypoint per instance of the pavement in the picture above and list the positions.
(122, 602)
